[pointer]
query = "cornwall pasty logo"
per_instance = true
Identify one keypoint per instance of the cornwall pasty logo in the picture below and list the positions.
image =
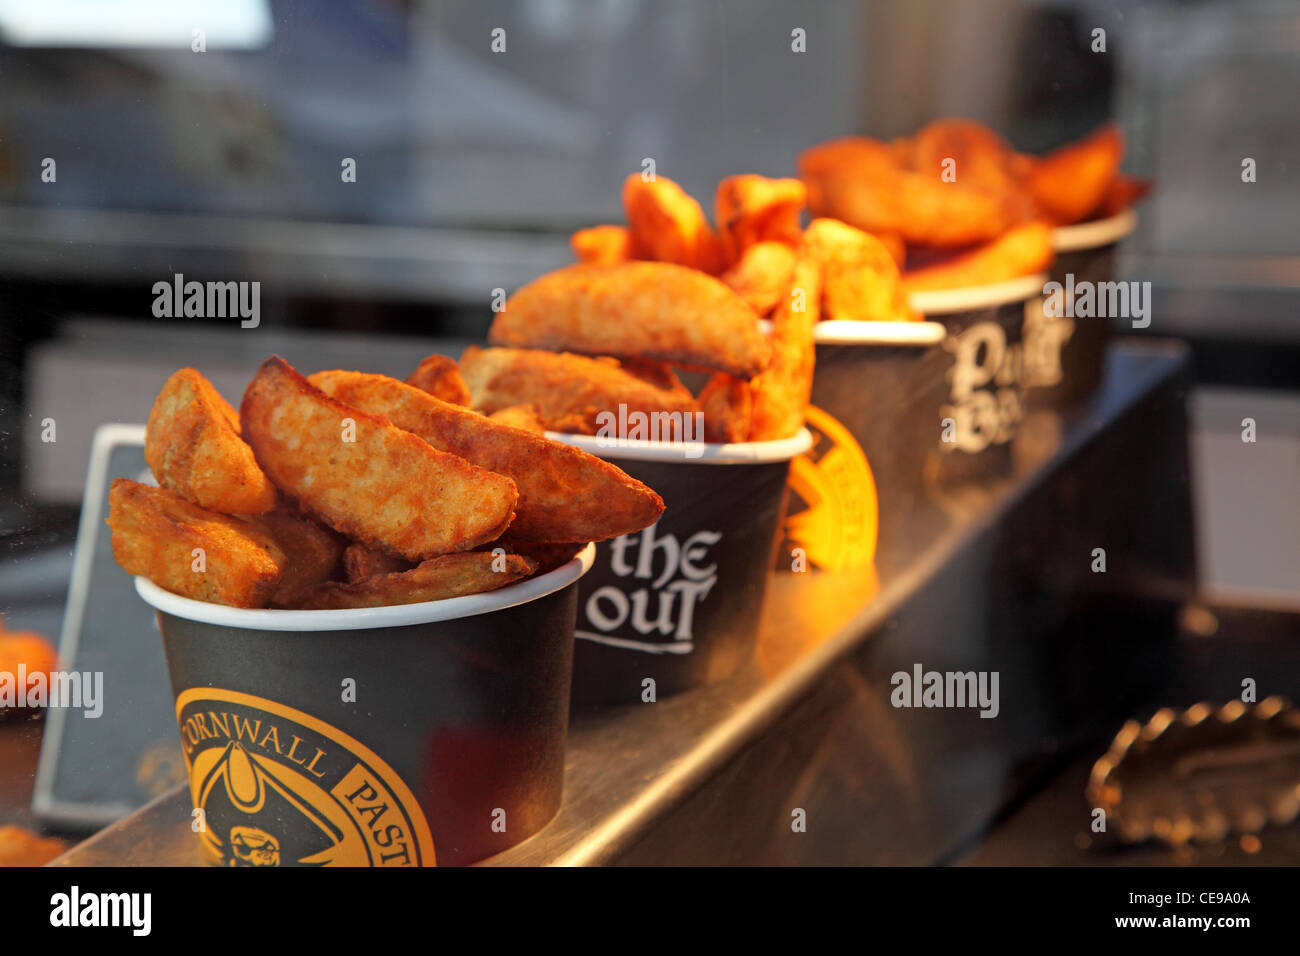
(836, 516)
(278, 787)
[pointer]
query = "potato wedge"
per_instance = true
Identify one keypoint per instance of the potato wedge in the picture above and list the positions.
(312, 553)
(440, 377)
(762, 274)
(189, 550)
(545, 557)
(602, 245)
(1069, 183)
(781, 391)
(653, 310)
(728, 409)
(1124, 192)
(520, 416)
(751, 209)
(1022, 251)
(367, 478)
(980, 157)
(452, 575)
(193, 447)
(859, 278)
(865, 183)
(569, 390)
(361, 562)
(564, 494)
(667, 225)
(896, 246)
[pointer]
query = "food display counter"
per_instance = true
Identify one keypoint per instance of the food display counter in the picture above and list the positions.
(786, 761)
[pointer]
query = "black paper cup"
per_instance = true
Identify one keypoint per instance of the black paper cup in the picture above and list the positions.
(393, 736)
(877, 388)
(1065, 354)
(894, 416)
(679, 602)
(983, 390)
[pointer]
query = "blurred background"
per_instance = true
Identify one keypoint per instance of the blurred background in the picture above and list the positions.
(472, 166)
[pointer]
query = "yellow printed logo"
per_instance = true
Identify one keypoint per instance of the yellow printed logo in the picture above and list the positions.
(838, 523)
(278, 787)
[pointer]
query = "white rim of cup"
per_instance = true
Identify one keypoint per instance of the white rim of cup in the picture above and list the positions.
(693, 453)
(918, 334)
(366, 618)
(1095, 234)
(943, 301)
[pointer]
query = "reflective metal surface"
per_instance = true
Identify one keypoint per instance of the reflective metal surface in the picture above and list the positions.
(654, 783)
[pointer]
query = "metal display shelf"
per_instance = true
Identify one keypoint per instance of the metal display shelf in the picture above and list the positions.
(995, 577)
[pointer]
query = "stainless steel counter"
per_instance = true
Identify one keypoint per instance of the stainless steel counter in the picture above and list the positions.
(660, 782)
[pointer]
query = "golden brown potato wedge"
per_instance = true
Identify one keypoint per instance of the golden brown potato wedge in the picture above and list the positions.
(602, 245)
(750, 209)
(1022, 251)
(364, 476)
(1120, 195)
(545, 557)
(452, 575)
(193, 447)
(762, 274)
(781, 391)
(859, 277)
(728, 409)
(564, 494)
(520, 416)
(653, 310)
(1069, 183)
(865, 183)
(569, 390)
(440, 377)
(189, 550)
(361, 562)
(980, 159)
(667, 225)
(311, 551)
(896, 246)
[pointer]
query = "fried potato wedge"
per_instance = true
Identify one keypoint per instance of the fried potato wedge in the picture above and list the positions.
(452, 575)
(361, 562)
(520, 416)
(728, 409)
(364, 476)
(781, 391)
(1069, 183)
(654, 310)
(1022, 251)
(569, 391)
(193, 447)
(440, 377)
(751, 209)
(602, 245)
(545, 557)
(859, 278)
(189, 550)
(311, 552)
(762, 274)
(981, 159)
(668, 225)
(565, 494)
(893, 242)
(862, 182)
(1124, 192)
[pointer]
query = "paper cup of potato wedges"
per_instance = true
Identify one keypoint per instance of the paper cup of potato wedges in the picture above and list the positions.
(966, 211)
(595, 348)
(367, 595)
